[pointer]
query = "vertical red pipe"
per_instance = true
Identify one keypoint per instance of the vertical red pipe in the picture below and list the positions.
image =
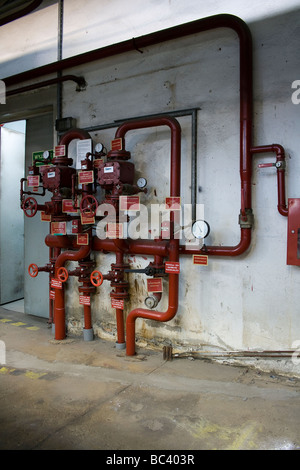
(174, 243)
(87, 317)
(280, 158)
(59, 303)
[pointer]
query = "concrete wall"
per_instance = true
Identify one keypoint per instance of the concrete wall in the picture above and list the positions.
(245, 303)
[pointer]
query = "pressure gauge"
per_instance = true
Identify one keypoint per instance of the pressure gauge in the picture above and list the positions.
(99, 147)
(200, 229)
(151, 302)
(46, 155)
(142, 183)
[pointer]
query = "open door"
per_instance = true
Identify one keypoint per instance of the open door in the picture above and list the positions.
(39, 137)
(12, 159)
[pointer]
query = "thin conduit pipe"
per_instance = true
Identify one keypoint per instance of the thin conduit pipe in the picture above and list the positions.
(53, 81)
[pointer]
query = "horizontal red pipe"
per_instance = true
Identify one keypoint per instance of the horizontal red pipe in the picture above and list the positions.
(237, 250)
(280, 157)
(136, 247)
(193, 27)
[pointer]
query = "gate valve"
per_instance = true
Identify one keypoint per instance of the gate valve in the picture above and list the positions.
(96, 278)
(33, 270)
(149, 271)
(88, 206)
(62, 274)
(30, 207)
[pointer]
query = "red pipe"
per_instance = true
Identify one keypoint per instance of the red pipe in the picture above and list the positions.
(87, 317)
(280, 157)
(73, 134)
(175, 144)
(59, 303)
(137, 247)
(155, 315)
(237, 250)
(173, 244)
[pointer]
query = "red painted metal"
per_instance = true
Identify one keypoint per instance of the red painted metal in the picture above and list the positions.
(59, 303)
(280, 159)
(293, 232)
(169, 249)
(173, 247)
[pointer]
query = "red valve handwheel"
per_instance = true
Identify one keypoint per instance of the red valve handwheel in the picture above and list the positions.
(62, 274)
(33, 270)
(96, 278)
(89, 205)
(30, 207)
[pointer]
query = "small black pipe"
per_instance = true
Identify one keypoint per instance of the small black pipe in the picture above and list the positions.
(81, 83)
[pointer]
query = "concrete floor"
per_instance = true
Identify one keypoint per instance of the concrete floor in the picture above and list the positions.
(88, 395)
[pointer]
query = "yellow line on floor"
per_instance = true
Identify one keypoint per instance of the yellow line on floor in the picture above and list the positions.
(5, 370)
(34, 375)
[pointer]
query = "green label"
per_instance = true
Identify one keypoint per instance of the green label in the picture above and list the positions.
(38, 157)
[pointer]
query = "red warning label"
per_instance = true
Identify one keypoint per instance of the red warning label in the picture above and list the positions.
(117, 303)
(117, 144)
(200, 259)
(172, 267)
(155, 285)
(84, 300)
(60, 150)
(56, 284)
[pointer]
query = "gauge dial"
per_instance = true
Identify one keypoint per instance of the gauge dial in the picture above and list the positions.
(99, 147)
(141, 182)
(200, 229)
(46, 154)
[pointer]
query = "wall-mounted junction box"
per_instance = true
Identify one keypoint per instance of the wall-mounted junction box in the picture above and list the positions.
(293, 233)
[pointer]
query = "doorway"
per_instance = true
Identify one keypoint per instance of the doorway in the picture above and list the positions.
(12, 159)
(22, 239)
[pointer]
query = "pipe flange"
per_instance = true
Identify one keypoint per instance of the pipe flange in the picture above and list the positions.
(246, 220)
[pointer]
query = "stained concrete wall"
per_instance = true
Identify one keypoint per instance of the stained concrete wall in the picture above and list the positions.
(245, 303)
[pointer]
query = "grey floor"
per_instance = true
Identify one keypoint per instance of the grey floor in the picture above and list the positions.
(71, 394)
